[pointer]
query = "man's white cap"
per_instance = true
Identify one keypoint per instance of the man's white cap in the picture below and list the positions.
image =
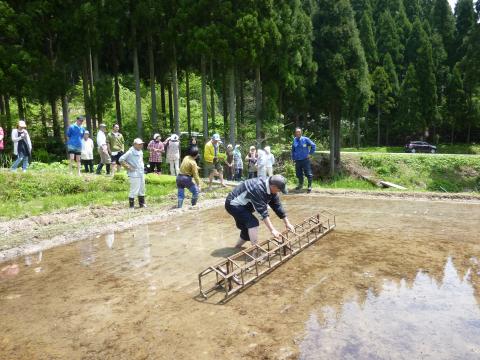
(137, 141)
(155, 136)
(174, 137)
(216, 137)
(22, 124)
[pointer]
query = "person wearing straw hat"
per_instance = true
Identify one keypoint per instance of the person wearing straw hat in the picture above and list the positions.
(22, 146)
(132, 160)
(252, 195)
(74, 143)
(155, 148)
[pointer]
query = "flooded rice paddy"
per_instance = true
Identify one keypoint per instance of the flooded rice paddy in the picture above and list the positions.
(397, 279)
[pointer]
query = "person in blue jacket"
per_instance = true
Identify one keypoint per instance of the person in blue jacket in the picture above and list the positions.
(302, 149)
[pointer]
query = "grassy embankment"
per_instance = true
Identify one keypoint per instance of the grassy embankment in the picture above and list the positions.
(46, 188)
(468, 149)
(416, 172)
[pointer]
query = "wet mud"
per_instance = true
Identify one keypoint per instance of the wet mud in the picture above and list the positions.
(397, 279)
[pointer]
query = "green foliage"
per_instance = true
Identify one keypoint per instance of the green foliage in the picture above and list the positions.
(47, 189)
(448, 173)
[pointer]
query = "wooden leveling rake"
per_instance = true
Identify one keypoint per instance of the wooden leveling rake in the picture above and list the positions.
(238, 271)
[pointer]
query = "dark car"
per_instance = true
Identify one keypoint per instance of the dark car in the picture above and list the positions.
(420, 146)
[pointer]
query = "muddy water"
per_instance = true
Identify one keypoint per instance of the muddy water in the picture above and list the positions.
(398, 279)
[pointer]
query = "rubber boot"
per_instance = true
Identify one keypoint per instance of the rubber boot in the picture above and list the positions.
(141, 201)
(194, 201)
(99, 168)
(309, 190)
(299, 186)
(180, 203)
(108, 169)
(131, 202)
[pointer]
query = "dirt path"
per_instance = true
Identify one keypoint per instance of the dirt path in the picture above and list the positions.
(397, 279)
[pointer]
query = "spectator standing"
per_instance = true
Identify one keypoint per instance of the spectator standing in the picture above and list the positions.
(261, 163)
(251, 160)
(103, 149)
(1, 140)
(87, 152)
(188, 178)
(212, 162)
(269, 160)
(22, 146)
(238, 161)
(132, 160)
(302, 149)
(173, 154)
(74, 143)
(116, 146)
(230, 162)
(155, 148)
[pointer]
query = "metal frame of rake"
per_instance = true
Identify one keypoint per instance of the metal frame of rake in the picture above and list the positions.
(238, 271)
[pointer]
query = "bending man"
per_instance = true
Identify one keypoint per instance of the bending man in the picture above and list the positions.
(256, 195)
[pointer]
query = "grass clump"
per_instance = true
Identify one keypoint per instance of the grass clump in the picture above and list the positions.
(427, 173)
(40, 191)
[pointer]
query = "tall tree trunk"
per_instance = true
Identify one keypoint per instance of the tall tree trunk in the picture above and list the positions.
(21, 111)
(8, 115)
(91, 90)
(258, 107)
(358, 133)
(56, 125)
(138, 96)
(212, 95)
(187, 95)
(151, 65)
(43, 119)
(331, 123)
(203, 66)
(469, 132)
(96, 79)
(170, 106)
(164, 107)
(2, 105)
(242, 100)
(66, 121)
(231, 102)
(225, 105)
(118, 106)
(337, 139)
(452, 133)
(86, 97)
(176, 116)
(378, 123)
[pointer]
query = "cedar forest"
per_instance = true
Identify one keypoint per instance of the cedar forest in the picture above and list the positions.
(354, 72)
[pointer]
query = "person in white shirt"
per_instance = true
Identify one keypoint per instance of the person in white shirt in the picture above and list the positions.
(132, 160)
(87, 152)
(269, 160)
(173, 153)
(103, 149)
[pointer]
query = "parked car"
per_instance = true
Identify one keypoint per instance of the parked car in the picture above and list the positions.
(420, 146)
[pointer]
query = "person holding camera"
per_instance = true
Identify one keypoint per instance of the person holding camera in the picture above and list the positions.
(22, 146)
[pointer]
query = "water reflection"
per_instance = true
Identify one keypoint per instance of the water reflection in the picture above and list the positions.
(422, 320)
